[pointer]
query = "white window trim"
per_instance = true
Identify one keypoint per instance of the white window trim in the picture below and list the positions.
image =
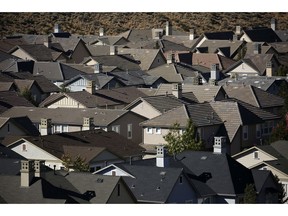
(149, 130)
(158, 132)
(129, 137)
(116, 126)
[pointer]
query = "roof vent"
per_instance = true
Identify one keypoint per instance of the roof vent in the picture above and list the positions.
(203, 157)
(99, 180)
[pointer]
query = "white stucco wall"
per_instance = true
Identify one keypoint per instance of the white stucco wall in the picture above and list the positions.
(146, 110)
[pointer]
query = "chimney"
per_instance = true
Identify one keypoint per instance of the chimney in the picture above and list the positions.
(161, 157)
(273, 24)
(157, 33)
(90, 87)
(113, 50)
(38, 165)
(191, 34)
(101, 32)
(235, 37)
(170, 58)
(269, 69)
(57, 28)
(238, 30)
(87, 123)
(27, 173)
(177, 90)
(45, 127)
(214, 73)
(168, 28)
(219, 145)
(196, 80)
(257, 48)
(98, 68)
(48, 42)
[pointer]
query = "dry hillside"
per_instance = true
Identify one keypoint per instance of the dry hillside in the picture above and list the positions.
(113, 23)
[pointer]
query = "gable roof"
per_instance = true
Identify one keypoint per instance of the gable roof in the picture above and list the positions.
(260, 61)
(208, 59)
(262, 35)
(86, 99)
(39, 52)
(254, 96)
(7, 86)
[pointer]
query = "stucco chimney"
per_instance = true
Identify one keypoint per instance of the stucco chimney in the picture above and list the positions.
(238, 30)
(27, 173)
(191, 34)
(45, 126)
(48, 41)
(170, 58)
(161, 156)
(273, 24)
(177, 90)
(168, 28)
(269, 69)
(257, 48)
(235, 37)
(90, 87)
(219, 145)
(98, 68)
(214, 72)
(101, 32)
(38, 166)
(113, 50)
(57, 28)
(87, 123)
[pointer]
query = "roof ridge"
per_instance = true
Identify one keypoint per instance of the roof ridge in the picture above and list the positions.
(254, 95)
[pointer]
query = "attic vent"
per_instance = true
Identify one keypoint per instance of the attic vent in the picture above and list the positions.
(162, 173)
(99, 180)
(30, 110)
(235, 87)
(203, 157)
(84, 110)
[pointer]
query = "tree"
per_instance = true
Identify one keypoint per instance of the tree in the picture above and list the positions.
(26, 93)
(78, 164)
(189, 140)
(250, 194)
(281, 193)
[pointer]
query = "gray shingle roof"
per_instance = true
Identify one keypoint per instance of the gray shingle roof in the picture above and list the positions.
(262, 35)
(260, 61)
(39, 52)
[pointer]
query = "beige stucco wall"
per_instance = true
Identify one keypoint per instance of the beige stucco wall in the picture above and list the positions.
(245, 38)
(124, 197)
(146, 110)
(249, 161)
(129, 118)
(23, 55)
(244, 69)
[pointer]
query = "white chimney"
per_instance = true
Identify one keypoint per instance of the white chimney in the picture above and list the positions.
(269, 69)
(87, 123)
(273, 24)
(57, 28)
(45, 126)
(168, 28)
(177, 90)
(170, 58)
(257, 48)
(219, 145)
(161, 157)
(238, 30)
(90, 87)
(235, 37)
(98, 68)
(113, 50)
(27, 173)
(214, 73)
(38, 165)
(191, 34)
(101, 32)
(157, 33)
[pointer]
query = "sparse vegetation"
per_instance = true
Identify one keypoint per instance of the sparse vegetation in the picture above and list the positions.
(115, 23)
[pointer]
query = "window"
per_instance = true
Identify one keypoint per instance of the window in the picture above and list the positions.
(58, 129)
(258, 130)
(118, 189)
(8, 127)
(158, 130)
(267, 127)
(129, 131)
(245, 132)
(65, 128)
(256, 155)
(180, 179)
(116, 128)
(24, 147)
(149, 130)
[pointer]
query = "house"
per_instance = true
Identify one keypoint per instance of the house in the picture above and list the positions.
(20, 126)
(271, 157)
(50, 121)
(33, 183)
(168, 184)
(96, 148)
(10, 99)
(56, 72)
(256, 97)
(79, 99)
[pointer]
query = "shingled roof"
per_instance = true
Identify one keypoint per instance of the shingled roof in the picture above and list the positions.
(38, 52)
(262, 35)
